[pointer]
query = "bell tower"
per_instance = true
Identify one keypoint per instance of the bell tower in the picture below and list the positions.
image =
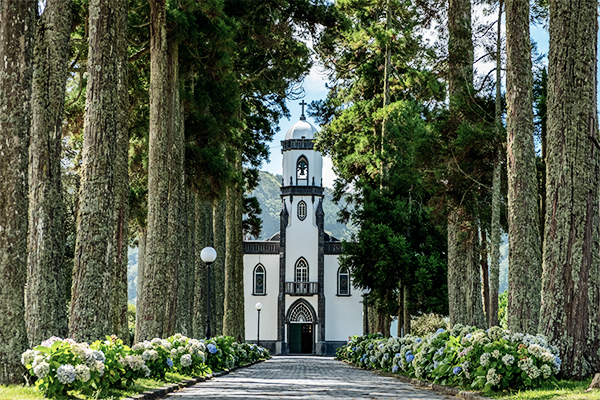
(301, 236)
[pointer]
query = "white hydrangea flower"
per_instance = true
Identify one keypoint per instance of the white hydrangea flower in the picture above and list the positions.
(40, 358)
(186, 360)
(82, 373)
(484, 359)
(146, 370)
(173, 353)
(134, 362)
(546, 371)
(166, 344)
(181, 349)
(156, 341)
(28, 357)
(508, 359)
(66, 374)
(492, 377)
(41, 369)
(496, 354)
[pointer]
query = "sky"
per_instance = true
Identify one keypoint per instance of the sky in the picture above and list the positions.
(315, 89)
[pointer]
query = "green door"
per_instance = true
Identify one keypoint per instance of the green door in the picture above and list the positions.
(295, 338)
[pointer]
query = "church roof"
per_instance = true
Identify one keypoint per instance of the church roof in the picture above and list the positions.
(301, 130)
(328, 238)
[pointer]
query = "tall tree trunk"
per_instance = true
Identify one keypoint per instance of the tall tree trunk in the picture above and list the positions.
(524, 255)
(239, 265)
(204, 229)
(229, 319)
(185, 288)
(46, 311)
(373, 317)
(176, 233)
(406, 317)
(400, 309)
(465, 303)
(464, 277)
(154, 295)
(16, 49)
(570, 282)
(120, 260)
(90, 293)
(217, 290)
(485, 289)
(495, 232)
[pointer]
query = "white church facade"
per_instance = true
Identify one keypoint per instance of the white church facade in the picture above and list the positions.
(308, 303)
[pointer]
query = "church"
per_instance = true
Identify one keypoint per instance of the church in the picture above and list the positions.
(308, 303)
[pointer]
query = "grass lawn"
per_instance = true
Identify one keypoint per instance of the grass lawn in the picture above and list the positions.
(141, 385)
(564, 390)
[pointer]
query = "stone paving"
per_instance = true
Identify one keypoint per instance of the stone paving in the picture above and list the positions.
(303, 377)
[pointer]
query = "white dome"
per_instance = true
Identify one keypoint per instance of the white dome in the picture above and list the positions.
(301, 130)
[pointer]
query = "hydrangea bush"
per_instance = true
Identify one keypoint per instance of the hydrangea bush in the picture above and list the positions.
(485, 360)
(61, 365)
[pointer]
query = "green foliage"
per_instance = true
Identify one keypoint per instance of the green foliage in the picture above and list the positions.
(59, 366)
(428, 323)
(462, 356)
(502, 306)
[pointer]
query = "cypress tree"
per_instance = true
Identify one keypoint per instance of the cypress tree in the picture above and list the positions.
(217, 290)
(523, 218)
(46, 311)
(571, 256)
(16, 47)
(203, 236)
(90, 293)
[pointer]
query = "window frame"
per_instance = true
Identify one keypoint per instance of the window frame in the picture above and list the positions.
(296, 267)
(302, 203)
(264, 276)
(339, 273)
(301, 158)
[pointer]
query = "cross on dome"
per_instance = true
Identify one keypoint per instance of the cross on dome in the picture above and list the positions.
(303, 103)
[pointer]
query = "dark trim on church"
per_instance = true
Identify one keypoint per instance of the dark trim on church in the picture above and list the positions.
(302, 190)
(297, 144)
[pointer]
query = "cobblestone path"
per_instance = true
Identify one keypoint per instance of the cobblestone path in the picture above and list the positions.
(303, 377)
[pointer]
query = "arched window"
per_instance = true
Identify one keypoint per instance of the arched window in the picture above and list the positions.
(259, 279)
(301, 270)
(302, 169)
(301, 210)
(343, 282)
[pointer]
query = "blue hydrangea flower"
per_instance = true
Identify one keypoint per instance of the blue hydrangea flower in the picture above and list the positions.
(354, 349)
(435, 364)
(397, 355)
(409, 352)
(441, 330)
(395, 369)
(468, 336)
(212, 348)
(170, 363)
(456, 370)
(409, 358)
(418, 340)
(440, 351)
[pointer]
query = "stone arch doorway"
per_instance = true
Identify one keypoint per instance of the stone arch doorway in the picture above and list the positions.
(301, 323)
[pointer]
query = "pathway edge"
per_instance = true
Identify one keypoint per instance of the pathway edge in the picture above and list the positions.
(448, 390)
(165, 390)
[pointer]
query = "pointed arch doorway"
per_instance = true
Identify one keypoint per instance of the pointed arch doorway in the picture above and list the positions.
(301, 321)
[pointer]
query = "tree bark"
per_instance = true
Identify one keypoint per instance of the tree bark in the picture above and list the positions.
(90, 293)
(217, 290)
(230, 305)
(154, 295)
(185, 289)
(495, 230)
(485, 289)
(406, 316)
(464, 287)
(239, 265)
(570, 285)
(524, 255)
(176, 232)
(204, 228)
(400, 310)
(464, 278)
(16, 47)
(46, 310)
(120, 260)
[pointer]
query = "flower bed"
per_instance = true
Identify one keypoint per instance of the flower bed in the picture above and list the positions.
(484, 360)
(60, 365)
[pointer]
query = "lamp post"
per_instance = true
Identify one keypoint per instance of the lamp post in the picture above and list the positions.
(258, 308)
(208, 255)
(366, 313)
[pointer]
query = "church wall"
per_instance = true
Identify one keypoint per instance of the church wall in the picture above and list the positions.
(268, 315)
(301, 239)
(343, 313)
